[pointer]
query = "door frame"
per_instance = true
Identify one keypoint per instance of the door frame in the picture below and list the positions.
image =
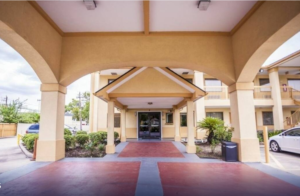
(137, 122)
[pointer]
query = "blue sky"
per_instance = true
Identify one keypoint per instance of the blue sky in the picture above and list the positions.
(18, 80)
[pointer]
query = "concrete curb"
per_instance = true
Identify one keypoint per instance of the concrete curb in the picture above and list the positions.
(25, 151)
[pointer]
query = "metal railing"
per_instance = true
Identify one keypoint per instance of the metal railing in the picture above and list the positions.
(216, 92)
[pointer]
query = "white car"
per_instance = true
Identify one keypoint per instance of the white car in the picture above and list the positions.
(288, 140)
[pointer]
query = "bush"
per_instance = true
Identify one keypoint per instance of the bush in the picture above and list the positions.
(81, 132)
(260, 135)
(95, 138)
(101, 147)
(28, 140)
(211, 124)
(104, 135)
(69, 141)
(90, 147)
(67, 132)
(116, 135)
(81, 139)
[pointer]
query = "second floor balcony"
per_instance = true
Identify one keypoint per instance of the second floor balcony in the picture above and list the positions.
(219, 96)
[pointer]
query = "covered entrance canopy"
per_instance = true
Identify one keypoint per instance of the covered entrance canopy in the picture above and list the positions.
(148, 90)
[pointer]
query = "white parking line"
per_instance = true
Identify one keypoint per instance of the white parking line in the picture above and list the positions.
(277, 162)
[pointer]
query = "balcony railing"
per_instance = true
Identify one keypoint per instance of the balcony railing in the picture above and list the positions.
(259, 92)
(262, 92)
(216, 92)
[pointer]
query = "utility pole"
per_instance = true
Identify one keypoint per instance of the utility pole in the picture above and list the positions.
(6, 99)
(80, 117)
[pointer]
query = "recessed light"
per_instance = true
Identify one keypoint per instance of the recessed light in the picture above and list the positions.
(203, 4)
(150, 103)
(185, 73)
(113, 73)
(90, 4)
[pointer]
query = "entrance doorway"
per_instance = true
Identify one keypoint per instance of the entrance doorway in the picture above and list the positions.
(149, 125)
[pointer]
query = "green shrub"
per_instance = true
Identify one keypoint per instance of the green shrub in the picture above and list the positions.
(69, 141)
(81, 139)
(211, 124)
(101, 147)
(90, 147)
(116, 135)
(103, 135)
(95, 138)
(198, 149)
(67, 132)
(81, 132)
(28, 140)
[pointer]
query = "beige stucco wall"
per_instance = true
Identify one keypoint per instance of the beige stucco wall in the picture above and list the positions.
(146, 82)
(270, 26)
(33, 37)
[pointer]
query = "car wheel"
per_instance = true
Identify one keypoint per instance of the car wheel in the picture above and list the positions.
(274, 146)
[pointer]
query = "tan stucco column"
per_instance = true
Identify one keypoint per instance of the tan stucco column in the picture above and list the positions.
(93, 121)
(276, 96)
(200, 105)
(123, 125)
(51, 143)
(190, 147)
(177, 125)
(110, 147)
(243, 121)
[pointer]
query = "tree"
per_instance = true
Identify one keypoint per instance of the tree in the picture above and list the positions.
(74, 108)
(211, 124)
(10, 111)
(29, 117)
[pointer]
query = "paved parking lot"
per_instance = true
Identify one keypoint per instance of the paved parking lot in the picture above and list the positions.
(11, 156)
(285, 161)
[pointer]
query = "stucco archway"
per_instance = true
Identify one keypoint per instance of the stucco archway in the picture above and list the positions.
(262, 53)
(34, 59)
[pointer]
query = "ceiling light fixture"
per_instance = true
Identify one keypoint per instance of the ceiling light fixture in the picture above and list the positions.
(185, 73)
(150, 103)
(90, 4)
(203, 4)
(113, 73)
(261, 70)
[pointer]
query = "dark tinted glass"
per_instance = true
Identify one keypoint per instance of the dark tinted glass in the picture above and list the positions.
(34, 127)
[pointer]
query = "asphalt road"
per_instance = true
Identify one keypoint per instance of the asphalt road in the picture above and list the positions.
(11, 155)
(286, 161)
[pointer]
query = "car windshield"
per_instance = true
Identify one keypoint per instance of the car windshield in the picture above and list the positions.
(35, 127)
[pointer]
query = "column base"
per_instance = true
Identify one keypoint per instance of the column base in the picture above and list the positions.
(110, 149)
(248, 150)
(50, 150)
(123, 139)
(191, 149)
(177, 138)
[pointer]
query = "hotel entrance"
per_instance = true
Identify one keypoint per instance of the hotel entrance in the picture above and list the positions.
(149, 125)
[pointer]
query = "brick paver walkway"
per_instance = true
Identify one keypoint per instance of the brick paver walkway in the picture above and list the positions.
(132, 171)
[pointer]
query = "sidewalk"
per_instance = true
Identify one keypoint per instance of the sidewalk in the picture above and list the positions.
(11, 156)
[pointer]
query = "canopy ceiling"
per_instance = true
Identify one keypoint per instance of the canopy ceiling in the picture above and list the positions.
(128, 16)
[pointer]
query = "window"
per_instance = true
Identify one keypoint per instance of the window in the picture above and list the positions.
(218, 115)
(264, 82)
(117, 120)
(213, 83)
(294, 83)
(189, 80)
(268, 118)
(294, 133)
(169, 118)
(110, 80)
(183, 120)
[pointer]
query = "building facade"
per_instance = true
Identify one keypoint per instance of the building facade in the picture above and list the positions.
(276, 90)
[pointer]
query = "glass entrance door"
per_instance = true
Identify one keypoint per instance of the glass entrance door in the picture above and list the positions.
(149, 124)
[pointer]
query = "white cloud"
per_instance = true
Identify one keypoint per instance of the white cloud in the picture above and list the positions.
(18, 79)
(287, 48)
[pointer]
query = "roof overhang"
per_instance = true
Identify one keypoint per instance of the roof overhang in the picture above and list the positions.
(163, 100)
